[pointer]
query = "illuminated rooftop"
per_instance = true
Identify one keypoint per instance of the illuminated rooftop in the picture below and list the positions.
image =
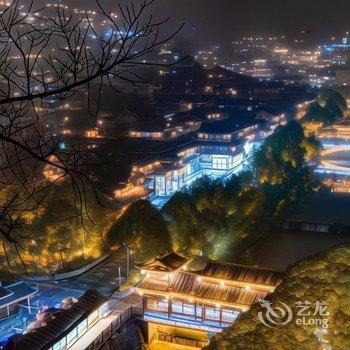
(169, 262)
(234, 285)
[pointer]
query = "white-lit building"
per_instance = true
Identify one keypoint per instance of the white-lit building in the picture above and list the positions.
(221, 148)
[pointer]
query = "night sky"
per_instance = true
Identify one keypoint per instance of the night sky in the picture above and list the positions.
(223, 20)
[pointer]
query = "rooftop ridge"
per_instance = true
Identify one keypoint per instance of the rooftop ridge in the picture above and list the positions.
(255, 267)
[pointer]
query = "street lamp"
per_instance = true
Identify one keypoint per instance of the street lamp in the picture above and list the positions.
(127, 261)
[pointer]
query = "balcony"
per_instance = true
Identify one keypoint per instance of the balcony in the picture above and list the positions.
(189, 321)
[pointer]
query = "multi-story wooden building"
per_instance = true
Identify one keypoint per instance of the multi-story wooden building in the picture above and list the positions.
(188, 307)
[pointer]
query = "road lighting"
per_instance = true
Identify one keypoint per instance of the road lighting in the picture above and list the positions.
(127, 261)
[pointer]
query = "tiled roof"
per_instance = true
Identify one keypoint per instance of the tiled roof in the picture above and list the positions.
(243, 273)
(190, 286)
(227, 126)
(167, 263)
(64, 321)
(4, 293)
(220, 282)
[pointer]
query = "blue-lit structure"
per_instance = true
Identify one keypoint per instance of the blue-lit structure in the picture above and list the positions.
(220, 149)
(12, 295)
(66, 327)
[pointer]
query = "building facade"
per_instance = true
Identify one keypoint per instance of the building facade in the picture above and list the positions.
(220, 149)
(65, 327)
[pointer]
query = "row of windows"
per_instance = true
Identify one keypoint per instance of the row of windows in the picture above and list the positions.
(78, 331)
(220, 163)
(164, 186)
(223, 137)
(315, 227)
(189, 309)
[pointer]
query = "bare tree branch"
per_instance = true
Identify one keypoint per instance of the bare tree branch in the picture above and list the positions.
(52, 52)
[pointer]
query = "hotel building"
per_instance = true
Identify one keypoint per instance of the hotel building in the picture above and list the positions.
(221, 148)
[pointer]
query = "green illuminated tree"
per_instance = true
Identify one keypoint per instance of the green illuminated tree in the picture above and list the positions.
(142, 228)
(284, 154)
(328, 107)
(220, 220)
(59, 231)
(212, 218)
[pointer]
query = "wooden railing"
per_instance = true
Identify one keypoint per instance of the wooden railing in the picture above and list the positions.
(107, 333)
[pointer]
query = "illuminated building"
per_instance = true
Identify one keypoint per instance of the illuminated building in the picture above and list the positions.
(154, 133)
(221, 148)
(12, 295)
(341, 186)
(54, 173)
(135, 189)
(342, 76)
(167, 176)
(208, 89)
(188, 307)
(340, 131)
(324, 213)
(66, 327)
(337, 53)
(226, 130)
(93, 133)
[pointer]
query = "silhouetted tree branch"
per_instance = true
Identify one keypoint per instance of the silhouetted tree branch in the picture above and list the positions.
(53, 52)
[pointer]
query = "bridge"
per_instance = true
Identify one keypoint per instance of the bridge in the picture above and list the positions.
(333, 149)
(330, 147)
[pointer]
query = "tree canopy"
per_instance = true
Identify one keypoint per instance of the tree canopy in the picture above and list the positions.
(328, 107)
(220, 219)
(201, 218)
(321, 278)
(284, 154)
(60, 230)
(141, 227)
